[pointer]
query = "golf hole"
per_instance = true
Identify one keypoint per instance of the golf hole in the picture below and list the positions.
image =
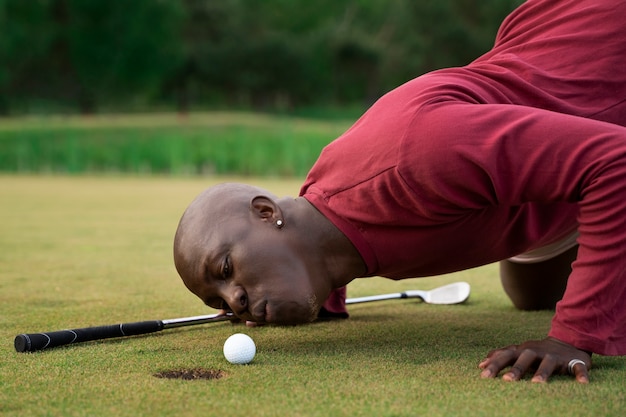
(191, 374)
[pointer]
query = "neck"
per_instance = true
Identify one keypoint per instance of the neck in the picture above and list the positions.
(325, 244)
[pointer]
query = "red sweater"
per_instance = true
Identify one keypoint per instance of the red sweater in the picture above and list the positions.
(466, 166)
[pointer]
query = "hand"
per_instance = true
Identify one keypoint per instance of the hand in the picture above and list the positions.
(236, 320)
(547, 357)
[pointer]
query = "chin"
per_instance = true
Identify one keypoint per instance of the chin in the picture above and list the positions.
(292, 313)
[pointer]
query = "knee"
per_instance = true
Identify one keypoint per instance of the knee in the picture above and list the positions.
(537, 286)
(526, 296)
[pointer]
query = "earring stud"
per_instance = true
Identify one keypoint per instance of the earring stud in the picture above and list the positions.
(279, 223)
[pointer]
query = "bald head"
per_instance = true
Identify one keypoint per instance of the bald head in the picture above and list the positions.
(235, 197)
(208, 212)
(269, 260)
(232, 251)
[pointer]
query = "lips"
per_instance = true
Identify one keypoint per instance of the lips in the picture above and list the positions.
(286, 313)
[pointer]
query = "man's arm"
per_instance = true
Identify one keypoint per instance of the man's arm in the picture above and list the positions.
(516, 155)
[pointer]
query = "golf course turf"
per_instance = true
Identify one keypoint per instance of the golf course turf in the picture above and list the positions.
(87, 251)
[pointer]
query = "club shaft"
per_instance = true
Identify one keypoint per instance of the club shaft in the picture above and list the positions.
(382, 297)
(30, 342)
(190, 321)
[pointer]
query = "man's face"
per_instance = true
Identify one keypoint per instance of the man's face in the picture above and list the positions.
(235, 260)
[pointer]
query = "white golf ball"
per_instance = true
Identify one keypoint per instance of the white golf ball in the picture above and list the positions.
(239, 349)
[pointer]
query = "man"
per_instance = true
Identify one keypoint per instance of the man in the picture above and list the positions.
(518, 157)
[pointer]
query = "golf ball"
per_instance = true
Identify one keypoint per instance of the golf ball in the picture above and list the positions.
(239, 349)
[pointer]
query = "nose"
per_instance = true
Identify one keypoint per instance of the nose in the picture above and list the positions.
(237, 300)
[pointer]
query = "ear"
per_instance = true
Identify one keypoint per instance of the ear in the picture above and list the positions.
(266, 209)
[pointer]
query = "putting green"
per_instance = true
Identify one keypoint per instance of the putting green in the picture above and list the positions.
(85, 251)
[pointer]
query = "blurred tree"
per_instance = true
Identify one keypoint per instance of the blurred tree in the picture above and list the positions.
(247, 53)
(88, 51)
(284, 53)
(422, 36)
(24, 41)
(119, 49)
(241, 53)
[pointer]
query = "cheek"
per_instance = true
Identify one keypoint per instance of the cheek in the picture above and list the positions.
(270, 268)
(281, 277)
(196, 287)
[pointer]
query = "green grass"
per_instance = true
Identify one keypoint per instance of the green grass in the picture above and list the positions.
(83, 251)
(201, 143)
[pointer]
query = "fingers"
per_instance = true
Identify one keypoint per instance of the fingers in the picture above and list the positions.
(546, 368)
(545, 357)
(496, 361)
(523, 363)
(549, 366)
(578, 369)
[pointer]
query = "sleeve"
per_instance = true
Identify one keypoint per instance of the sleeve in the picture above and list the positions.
(335, 305)
(473, 156)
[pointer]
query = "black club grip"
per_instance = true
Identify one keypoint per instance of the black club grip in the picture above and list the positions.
(39, 341)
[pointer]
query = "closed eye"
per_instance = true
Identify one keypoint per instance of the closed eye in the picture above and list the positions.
(227, 268)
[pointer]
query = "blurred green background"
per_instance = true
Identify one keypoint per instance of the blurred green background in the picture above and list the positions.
(212, 87)
(86, 56)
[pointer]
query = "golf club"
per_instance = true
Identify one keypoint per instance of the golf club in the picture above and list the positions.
(454, 293)
(448, 294)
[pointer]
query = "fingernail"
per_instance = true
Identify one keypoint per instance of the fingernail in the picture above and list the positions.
(485, 374)
(508, 377)
(538, 379)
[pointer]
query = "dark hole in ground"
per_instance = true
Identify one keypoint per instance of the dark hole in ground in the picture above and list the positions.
(190, 374)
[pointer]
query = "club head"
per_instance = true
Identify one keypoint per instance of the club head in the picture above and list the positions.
(454, 293)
